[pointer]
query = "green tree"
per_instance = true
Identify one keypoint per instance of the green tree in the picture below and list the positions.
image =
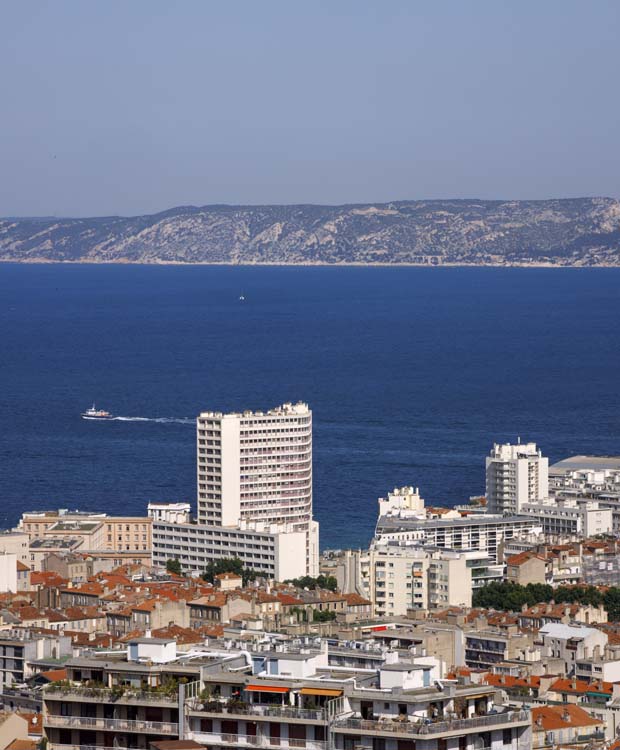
(611, 602)
(173, 566)
(228, 565)
(323, 616)
(321, 582)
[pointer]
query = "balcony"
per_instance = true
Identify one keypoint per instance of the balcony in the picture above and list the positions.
(112, 725)
(250, 740)
(104, 695)
(255, 710)
(425, 728)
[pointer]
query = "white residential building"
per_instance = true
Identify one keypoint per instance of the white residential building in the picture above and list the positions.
(402, 577)
(561, 517)
(572, 643)
(515, 475)
(405, 501)
(254, 495)
(593, 478)
(479, 531)
(8, 572)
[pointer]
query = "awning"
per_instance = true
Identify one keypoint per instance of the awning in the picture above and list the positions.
(321, 691)
(267, 688)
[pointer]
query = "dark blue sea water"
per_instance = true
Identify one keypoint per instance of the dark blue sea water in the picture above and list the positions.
(411, 374)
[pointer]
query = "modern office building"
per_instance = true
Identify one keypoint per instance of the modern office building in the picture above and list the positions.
(515, 475)
(254, 472)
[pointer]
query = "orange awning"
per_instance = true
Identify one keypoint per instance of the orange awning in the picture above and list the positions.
(267, 688)
(321, 691)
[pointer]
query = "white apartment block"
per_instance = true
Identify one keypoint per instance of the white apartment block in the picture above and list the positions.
(569, 517)
(479, 531)
(515, 475)
(275, 551)
(400, 577)
(254, 477)
(588, 478)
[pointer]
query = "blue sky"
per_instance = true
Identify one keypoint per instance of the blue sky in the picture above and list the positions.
(134, 107)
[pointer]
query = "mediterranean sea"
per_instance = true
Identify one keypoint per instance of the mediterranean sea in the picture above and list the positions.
(411, 373)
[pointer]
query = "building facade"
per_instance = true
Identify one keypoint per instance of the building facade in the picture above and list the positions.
(515, 475)
(254, 478)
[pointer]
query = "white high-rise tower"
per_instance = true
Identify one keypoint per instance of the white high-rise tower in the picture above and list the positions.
(256, 468)
(515, 475)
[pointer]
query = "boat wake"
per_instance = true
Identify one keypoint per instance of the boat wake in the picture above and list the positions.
(160, 420)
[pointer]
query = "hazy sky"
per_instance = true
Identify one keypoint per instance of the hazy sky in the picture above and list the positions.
(133, 107)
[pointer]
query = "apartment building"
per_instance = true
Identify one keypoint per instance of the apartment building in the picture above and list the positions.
(274, 695)
(480, 531)
(20, 648)
(122, 700)
(486, 648)
(570, 517)
(100, 531)
(402, 577)
(571, 643)
(593, 478)
(254, 477)
(289, 702)
(15, 542)
(515, 475)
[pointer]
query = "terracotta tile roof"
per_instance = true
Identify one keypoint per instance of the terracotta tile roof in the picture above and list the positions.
(354, 600)
(28, 613)
(47, 578)
(54, 675)
(211, 631)
(265, 598)
(22, 566)
(88, 589)
(22, 745)
(579, 687)
(181, 635)
(458, 672)
(522, 558)
(547, 718)
(507, 681)
(550, 610)
(35, 721)
(288, 599)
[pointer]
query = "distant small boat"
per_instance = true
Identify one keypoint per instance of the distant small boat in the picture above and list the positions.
(94, 413)
(242, 298)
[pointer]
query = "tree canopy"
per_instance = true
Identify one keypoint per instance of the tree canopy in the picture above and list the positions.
(510, 597)
(173, 566)
(320, 582)
(228, 565)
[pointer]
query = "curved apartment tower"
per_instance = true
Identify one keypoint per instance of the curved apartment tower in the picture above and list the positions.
(254, 478)
(255, 466)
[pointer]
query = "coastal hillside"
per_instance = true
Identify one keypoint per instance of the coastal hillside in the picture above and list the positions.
(575, 232)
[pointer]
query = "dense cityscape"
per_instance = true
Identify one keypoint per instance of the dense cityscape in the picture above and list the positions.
(347, 278)
(493, 624)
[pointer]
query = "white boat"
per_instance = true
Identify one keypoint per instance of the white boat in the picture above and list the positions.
(94, 413)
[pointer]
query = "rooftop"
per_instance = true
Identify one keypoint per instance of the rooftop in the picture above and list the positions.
(577, 463)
